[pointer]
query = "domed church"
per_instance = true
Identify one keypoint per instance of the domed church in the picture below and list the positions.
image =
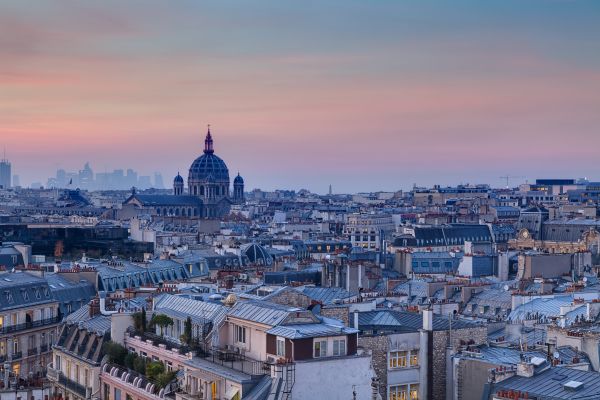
(208, 193)
(208, 179)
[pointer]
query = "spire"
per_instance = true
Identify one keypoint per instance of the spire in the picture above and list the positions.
(208, 143)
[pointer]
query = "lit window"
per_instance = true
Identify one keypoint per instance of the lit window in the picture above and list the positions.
(398, 392)
(397, 359)
(414, 358)
(414, 391)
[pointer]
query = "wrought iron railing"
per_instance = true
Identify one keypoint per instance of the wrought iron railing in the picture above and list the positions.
(29, 325)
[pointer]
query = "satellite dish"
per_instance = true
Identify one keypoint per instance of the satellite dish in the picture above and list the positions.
(585, 279)
(556, 355)
(506, 288)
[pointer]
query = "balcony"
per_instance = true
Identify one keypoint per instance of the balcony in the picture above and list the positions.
(29, 325)
(43, 348)
(32, 352)
(72, 385)
(17, 355)
(58, 377)
(51, 373)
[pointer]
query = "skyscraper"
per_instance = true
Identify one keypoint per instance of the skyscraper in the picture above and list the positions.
(5, 174)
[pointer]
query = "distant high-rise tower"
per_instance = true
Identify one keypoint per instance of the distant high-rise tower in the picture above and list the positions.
(238, 189)
(5, 174)
(330, 190)
(158, 181)
(178, 185)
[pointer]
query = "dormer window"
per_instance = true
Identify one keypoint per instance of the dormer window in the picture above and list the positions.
(25, 295)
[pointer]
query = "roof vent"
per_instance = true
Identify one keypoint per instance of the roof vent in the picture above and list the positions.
(573, 385)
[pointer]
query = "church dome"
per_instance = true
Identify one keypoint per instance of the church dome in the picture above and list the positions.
(178, 179)
(238, 179)
(208, 165)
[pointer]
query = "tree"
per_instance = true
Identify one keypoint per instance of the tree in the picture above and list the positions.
(129, 360)
(187, 337)
(153, 369)
(162, 321)
(139, 365)
(116, 353)
(138, 323)
(163, 379)
(144, 319)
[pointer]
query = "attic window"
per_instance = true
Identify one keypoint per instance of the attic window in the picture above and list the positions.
(8, 296)
(25, 295)
(38, 294)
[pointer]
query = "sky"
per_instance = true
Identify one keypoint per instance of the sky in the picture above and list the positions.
(362, 95)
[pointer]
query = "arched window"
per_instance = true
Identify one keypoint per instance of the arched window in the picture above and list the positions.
(195, 212)
(170, 211)
(196, 190)
(158, 211)
(177, 211)
(189, 212)
(201, 190)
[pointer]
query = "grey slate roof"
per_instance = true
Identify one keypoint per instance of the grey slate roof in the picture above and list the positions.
(162, 200)
(549, 384)
(200, 312)
(22, 289)
(302, 331)
(326, 295)
(261, 312)
(404, 321)
(98, 323)
(77, 294)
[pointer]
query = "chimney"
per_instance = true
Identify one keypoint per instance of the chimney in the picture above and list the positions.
(356, 320)
(427, 320)
(94, 307)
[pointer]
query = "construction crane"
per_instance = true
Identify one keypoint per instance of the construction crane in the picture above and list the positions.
(509, 177)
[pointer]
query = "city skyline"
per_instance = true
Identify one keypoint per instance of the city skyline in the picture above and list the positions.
(361, 96)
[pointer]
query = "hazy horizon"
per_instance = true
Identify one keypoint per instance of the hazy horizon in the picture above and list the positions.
(364, 96)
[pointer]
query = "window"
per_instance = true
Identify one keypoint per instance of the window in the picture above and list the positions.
(239, 334)
(398, 392)
(320, 348)
(404, 392)
(414, 391)
(414, 358)
(339, 347)
(397, 359)
(281, 347)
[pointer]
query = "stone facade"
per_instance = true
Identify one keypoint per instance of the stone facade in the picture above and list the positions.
(340, 312)
(379, 348)
(440, 344)
(290, 297)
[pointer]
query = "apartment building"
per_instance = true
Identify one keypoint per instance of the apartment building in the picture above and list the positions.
(29, 321)
(75, 369)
